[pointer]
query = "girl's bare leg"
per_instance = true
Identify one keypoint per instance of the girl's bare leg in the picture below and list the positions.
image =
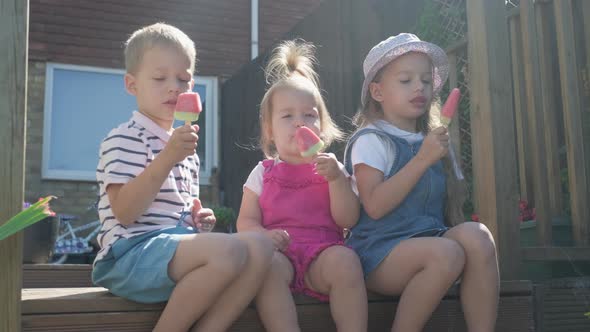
(421, 270)
(337, 272)
(274, 302)
(480, 281)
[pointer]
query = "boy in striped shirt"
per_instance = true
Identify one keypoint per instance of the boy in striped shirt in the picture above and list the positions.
(149, 206)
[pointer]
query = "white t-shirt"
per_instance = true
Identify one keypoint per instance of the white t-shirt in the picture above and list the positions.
(374, 151)
(255, 179)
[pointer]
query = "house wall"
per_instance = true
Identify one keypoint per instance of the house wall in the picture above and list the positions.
(92, 33)
(89, 32)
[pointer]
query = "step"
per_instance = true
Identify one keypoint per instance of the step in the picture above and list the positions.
(94, 309)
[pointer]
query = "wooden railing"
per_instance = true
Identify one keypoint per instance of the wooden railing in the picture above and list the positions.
(549, 41)
(548, 45)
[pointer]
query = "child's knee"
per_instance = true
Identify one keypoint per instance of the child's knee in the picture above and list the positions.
(449, 258)
(231, 257)
(259, 246)
(281, 269)
(345, 264)
(478, 241)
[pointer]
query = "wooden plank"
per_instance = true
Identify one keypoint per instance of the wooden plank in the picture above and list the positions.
(515, 314)
(494, 155)
(535, 116)
(13, 92)
(564, 303)
(97, 299)
(577, 160)
(57, 276)
(523, 134)
(556, 253)
(550, 111)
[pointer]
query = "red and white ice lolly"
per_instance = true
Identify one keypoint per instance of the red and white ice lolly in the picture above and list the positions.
(188, 107)
(450, 107)
(308, 143)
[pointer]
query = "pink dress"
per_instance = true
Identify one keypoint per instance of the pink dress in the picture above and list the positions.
(296, 199)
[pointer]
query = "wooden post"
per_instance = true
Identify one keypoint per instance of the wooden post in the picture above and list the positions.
(13, 92)
(578, 160)
(523, 134)
(532, 73)
(492, 125)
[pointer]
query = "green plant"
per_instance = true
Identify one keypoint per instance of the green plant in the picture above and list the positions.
(27, 217)
(226, 218)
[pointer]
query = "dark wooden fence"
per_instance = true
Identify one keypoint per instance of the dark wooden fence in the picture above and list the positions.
(550, 53)
(344, 31)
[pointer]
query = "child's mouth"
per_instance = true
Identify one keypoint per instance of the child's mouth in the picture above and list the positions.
(419, 101)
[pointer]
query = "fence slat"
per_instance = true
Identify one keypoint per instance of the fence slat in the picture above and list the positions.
(548, 79)
(493, 147)
(523, 135)
(578, 163)
(535, 116)
(13, 93)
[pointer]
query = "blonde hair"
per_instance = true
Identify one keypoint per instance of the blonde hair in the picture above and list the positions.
(291, 67)
(160, 34)
(456, 189)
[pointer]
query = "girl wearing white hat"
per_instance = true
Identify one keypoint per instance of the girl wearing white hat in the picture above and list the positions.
(396, 158)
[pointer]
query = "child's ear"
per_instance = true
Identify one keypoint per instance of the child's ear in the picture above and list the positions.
(130, 84)
(375, 91)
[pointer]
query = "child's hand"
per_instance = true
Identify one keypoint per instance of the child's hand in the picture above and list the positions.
(280, 238)
(182, 143)
(201, 215)
(435, 146)
(327, 166)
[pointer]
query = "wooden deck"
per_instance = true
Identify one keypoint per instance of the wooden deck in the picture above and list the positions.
(94, 309)
(57, 276)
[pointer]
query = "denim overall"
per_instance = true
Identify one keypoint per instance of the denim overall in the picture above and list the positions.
(419, 214)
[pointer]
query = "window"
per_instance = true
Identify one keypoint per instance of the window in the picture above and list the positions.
(82, 104)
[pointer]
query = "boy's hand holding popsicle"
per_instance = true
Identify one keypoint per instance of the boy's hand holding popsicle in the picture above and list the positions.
(183, 141)
(310, 145)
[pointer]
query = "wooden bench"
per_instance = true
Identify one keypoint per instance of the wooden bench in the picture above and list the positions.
(57, 276)
(94, 309)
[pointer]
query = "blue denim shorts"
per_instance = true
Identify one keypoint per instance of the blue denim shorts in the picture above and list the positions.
(137, 268)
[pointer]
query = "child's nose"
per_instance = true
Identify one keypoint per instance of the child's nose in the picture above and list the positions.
(299, 121)
(176, 87)
(420, 86)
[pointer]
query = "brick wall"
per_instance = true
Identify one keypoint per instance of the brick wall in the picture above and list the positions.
(89, 32)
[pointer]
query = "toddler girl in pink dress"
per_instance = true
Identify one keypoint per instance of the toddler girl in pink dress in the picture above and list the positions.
(302, 203)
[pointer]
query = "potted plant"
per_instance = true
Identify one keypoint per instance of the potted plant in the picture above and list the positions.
(226, 219)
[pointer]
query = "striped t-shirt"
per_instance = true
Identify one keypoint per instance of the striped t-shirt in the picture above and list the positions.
(124, 154)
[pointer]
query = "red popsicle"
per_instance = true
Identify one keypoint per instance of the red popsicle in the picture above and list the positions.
(188, 107)
(308, 142)
(450, 107)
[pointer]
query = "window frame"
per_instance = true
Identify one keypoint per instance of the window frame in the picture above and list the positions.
(211, 122)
